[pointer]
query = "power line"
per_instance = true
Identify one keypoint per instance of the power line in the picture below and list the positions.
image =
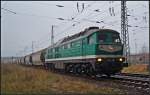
(84, 9)
(70, 26)
(102, 12)
(98, 21)
(8, 10)
(51, 4)
(73, 18)
(26, 14)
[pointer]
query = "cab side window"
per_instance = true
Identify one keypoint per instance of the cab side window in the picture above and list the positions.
(116, 38)
(90, 39)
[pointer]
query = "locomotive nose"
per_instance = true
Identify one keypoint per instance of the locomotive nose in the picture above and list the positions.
(109, 67)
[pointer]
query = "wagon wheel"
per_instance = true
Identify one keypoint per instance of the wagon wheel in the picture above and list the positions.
(42, 57)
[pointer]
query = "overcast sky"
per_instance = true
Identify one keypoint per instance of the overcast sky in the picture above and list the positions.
(25, 21)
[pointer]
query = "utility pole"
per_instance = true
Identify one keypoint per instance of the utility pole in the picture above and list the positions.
(32, 50)
(52, 35)
(32, 47)
(124, 31)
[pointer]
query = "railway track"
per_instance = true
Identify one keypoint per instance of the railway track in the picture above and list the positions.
(137, 81)
(140, 82)
(134, 75)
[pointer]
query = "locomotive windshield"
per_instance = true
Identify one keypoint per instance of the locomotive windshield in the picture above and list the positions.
(108, 38)
(102, 37)
(115, 38)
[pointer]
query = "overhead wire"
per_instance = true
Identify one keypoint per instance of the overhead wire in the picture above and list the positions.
(49, 4)
(76, 16)
(98, 21)
(100, 13)
(90, 13)
(85, 8)
(89, 5)
(70, 27)
(26, 14)
(105, 23)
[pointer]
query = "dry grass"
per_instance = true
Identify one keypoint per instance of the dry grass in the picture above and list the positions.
(18, 79)
(137, 68)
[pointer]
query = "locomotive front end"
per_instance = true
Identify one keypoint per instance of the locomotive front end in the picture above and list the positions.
(109, 52)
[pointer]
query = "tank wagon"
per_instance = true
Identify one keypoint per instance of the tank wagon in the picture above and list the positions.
(92, 51)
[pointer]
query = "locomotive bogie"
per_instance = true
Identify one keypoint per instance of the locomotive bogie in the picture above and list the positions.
(107, 66)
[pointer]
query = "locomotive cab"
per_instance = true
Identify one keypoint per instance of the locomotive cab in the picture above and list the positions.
(109, 50)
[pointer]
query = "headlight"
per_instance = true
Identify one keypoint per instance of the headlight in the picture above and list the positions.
(120, 59)
(99, 59)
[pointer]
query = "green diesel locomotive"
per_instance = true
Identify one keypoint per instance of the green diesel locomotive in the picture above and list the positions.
(92, 51)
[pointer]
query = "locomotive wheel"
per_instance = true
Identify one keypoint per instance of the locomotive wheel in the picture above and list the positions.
(75, 69)
(83, 69)
(70, 68)
(66, 68)
(86, 69)
(78, 69)
(89, 70)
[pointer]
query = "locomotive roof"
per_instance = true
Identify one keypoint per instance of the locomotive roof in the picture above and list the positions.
(82, 33)
(106, 30)
(86, 32)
